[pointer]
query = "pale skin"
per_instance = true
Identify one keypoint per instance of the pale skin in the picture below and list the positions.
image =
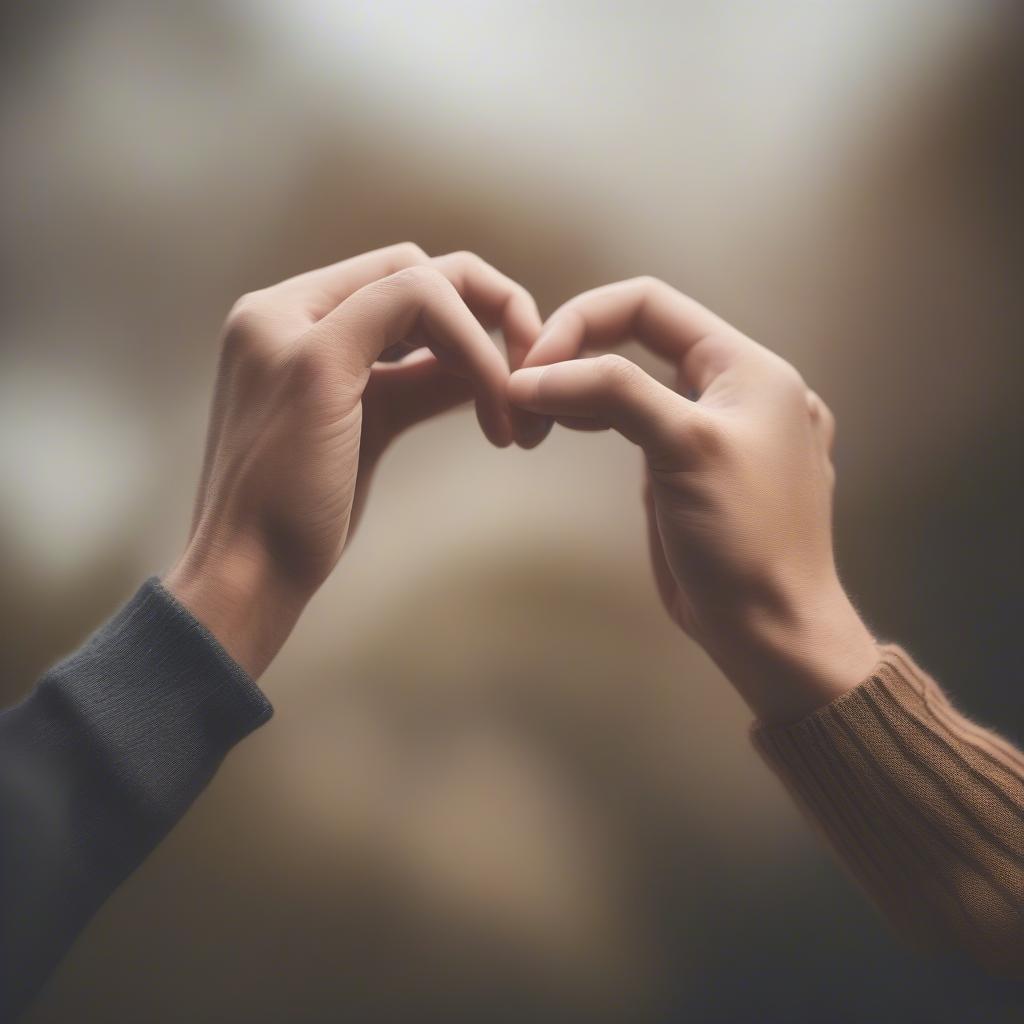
(739, 481)
(738, 486)
(302, 412)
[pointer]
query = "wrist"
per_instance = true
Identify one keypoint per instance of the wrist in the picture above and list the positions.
(800, 655)
(235, 592)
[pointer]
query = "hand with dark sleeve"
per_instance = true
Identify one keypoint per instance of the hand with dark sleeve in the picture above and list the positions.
(98, 763)
(113, 744)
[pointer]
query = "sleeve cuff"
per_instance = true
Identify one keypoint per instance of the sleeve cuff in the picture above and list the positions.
(895, 673)
(923, 806)
(156, 699)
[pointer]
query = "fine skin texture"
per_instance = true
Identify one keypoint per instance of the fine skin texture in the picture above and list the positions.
(738, 489)
(302, 412)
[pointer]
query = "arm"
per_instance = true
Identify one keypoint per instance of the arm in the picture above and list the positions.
(97, 764)
(114, 744)
(927, 809)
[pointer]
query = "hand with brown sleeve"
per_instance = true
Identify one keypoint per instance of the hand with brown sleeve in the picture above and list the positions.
(924, 807)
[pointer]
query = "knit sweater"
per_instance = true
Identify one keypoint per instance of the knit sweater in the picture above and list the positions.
(97, 764)
(925, 808)
(114, 743)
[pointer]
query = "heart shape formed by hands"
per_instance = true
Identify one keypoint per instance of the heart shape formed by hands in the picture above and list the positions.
(739, 477)
(739, 482)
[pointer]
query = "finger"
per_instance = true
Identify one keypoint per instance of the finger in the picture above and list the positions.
(579, 423)
(609, 389)
(496, 299)
(420, 302)
(316, 292)
(700, 344)
(499, 301)
(292, 305)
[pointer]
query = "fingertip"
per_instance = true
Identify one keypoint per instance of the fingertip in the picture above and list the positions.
(496, 424)
(524, 385)
(503, 435)
(530, 429)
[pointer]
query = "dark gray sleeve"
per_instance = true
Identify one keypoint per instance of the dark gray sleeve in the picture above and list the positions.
(97, 764)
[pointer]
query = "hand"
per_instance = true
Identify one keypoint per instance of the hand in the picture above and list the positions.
(303, 411)
(739, 486)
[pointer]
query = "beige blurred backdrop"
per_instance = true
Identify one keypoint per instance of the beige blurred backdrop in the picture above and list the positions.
(499, 786)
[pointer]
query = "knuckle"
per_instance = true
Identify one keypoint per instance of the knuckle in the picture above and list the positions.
(244, 326)
(706, 438)
(463, 266)
(466, 258)
(405, 254)
(246, 308)
(418, 279)
(520, 290)
(615, 372)
(649, 284)
(309, 364)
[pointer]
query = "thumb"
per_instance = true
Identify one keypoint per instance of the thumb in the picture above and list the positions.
(610, 389)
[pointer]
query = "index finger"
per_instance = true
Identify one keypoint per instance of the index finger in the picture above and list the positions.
(496, 299)
(499, 301)
(698, 342)
(317, 292)
(420, 303)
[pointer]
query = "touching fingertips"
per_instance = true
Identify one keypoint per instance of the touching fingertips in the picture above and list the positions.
(524, 386)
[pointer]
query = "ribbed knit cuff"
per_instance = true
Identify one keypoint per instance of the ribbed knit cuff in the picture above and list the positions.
(155, 699)
(925, 807)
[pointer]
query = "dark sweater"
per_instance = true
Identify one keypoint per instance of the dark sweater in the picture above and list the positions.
(97, 764)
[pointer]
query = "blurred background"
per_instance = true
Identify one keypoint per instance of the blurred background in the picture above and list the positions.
(499, 785)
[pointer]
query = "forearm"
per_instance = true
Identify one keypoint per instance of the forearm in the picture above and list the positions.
(925, 808)
(96, 766)
(795, 651)
(240, 598)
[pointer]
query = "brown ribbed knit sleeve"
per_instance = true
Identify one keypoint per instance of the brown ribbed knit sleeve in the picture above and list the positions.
(925, 808)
